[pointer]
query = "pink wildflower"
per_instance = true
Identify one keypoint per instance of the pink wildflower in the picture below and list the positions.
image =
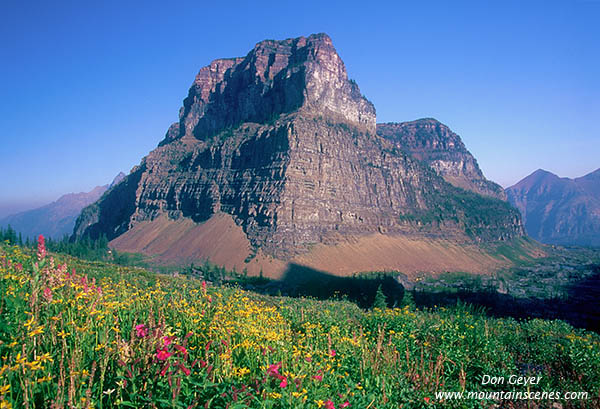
(345, 404)
(318, 377)
(180, 349)
(167, 341)
(332, 353)
(273, 369)
(283, 383)
(163, 354)
(186, 371)
(164, 370)
(48, 294)
(141, 330)
(329, 405)
(41, 253)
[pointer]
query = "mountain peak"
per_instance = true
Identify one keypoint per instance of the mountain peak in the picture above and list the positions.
(535, 178)
(117, 179)
(559, 210)
(275, 161)
(276, 77)
(434, 143)
(542, 172)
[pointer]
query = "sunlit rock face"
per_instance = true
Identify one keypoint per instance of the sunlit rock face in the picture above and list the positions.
(283, 142)
(434, 143)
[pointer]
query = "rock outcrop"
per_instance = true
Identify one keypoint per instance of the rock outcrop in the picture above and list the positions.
(275, 78)
(286, 145)
(435, 144)
(559, 210)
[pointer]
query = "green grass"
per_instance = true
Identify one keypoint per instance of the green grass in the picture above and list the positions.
(114, 336)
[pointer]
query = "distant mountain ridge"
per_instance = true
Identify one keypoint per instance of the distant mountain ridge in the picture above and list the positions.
(559, 210)
(56, 219)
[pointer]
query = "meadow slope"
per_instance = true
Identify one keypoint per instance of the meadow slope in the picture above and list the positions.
(87, 334)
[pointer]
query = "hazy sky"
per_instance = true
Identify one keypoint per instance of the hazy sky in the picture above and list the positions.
(88, 89)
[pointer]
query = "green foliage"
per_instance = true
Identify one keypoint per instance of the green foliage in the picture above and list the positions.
(380, 301)
(476, 214)
(84, 248)
(9, 235)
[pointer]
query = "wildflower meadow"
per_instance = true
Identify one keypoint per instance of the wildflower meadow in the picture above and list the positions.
(80, 334)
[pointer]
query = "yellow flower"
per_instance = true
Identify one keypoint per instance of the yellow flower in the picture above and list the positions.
(4, 389)
(37, 331)
(20, 360)
(45, 357)
(5, 405)
(319, 403)
(29, 322)
(63, 334)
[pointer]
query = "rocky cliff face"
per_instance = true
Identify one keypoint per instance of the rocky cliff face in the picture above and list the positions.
(283, 142)
(435, 144)
(559, 210)
(276, 77)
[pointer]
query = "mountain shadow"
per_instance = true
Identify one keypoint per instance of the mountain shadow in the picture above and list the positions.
(302, 281)
(578, 306)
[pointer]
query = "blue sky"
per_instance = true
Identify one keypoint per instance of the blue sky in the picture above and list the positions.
(89, 88)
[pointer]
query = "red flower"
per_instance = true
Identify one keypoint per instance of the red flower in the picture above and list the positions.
(283, 383)
(167, 341)
(318, 377)
(163, 354)
(345, 404)
(164, 370)
(41, 248)
(273, 370)
(141, 330)
(426, 399)
(332, 352)
(329, 405)
(48, 294)
(180, 349)
(184, 369)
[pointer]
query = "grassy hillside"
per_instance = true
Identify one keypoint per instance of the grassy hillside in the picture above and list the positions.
(88, 334)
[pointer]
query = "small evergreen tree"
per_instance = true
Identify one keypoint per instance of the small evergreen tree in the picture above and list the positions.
(380, 299)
